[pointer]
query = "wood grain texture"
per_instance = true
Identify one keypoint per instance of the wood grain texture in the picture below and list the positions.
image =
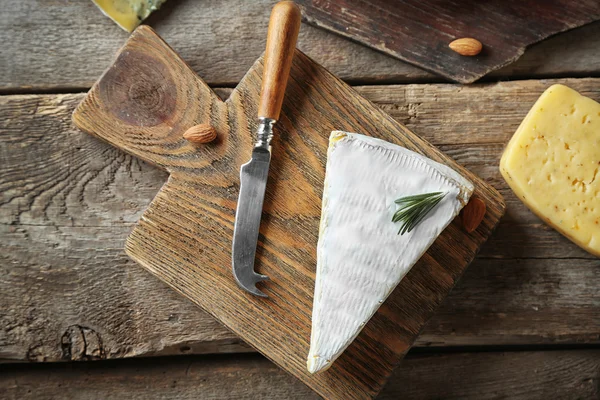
(144, 103)
(420, 31)
(493, 375)
(66, 45)
(68, 201)
(282, 36)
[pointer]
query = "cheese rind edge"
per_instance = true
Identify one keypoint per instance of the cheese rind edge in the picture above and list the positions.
(360, 256)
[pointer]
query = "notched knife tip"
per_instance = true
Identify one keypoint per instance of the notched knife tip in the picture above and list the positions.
(250, 284)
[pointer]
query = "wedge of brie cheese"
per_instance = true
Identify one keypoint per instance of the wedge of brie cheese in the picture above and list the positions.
(128, 14)
(361, 257)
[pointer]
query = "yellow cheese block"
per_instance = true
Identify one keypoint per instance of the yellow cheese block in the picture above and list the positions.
(128, 14)
(552, 163)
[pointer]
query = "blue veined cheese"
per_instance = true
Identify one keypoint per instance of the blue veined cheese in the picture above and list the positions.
(128, 14)
(360, 256)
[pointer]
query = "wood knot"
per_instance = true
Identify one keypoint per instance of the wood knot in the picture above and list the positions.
(147, 95)
(36, 353)
(139, 90)
(81, 343)
(203, 133)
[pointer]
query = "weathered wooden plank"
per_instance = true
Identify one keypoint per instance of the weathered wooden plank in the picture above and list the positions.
(67, 202)
(392, 27)
(515, 375)
(473, 114)
(521, 301)
(67, 45)
(529, 301)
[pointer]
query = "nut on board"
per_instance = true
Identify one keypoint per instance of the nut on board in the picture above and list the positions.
(466, 46)
(203, 133)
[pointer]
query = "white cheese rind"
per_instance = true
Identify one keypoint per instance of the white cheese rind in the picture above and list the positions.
(360, 256)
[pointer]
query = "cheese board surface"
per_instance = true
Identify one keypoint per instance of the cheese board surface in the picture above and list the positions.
(419, 31)
(144, 103)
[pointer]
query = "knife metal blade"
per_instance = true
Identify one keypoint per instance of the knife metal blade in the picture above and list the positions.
(284, 25)
(253, 183)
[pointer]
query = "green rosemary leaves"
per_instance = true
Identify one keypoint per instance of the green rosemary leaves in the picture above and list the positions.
(414, 208)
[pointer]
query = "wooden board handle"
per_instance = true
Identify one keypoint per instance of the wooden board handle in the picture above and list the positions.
(281, 43)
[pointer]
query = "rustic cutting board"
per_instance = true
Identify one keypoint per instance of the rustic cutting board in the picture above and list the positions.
(146, 100)
(419, 31)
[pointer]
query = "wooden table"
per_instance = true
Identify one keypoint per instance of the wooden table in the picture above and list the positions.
(524, 322)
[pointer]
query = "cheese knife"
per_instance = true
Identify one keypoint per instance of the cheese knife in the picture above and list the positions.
(284, 25)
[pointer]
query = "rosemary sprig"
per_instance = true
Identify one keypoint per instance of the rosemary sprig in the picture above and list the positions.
(414, 208)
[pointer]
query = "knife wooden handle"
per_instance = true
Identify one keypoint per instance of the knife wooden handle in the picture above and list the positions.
(281, 43)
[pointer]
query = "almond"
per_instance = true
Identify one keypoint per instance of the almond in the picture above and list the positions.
(202, 133)
(466, 46)
(473, 214)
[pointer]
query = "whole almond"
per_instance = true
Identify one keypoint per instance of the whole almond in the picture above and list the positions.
(473, 214)
(466, 46)
(202, 133)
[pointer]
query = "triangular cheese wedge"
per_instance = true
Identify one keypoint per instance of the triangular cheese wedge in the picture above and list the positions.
(128, 14)
(360, 256)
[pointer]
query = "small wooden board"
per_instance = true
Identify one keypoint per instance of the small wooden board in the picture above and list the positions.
(146, 100)
(419, 31)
